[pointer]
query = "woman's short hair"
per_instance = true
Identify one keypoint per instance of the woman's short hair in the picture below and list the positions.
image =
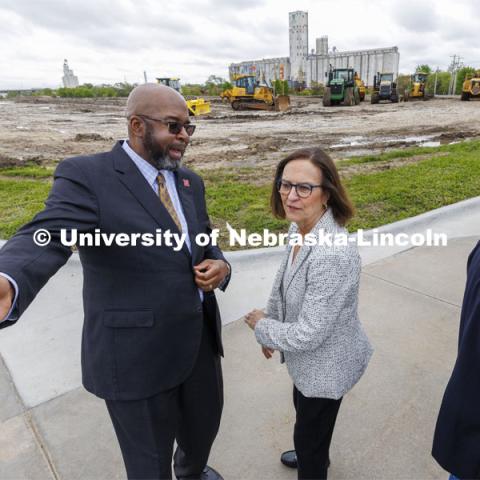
(339, 202)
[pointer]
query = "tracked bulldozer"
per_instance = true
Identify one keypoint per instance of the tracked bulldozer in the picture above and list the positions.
(247, 94)
(471, 87)
(196, 106)
(341, 88)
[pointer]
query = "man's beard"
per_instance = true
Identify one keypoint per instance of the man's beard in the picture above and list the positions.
(158, 156)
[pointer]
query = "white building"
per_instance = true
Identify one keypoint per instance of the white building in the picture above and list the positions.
(69, 79)
(306, 67)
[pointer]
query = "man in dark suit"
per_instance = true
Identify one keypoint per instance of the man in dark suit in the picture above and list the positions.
(151, 342)
(456, 444)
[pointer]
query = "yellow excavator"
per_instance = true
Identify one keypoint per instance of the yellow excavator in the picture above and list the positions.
(247, 94)
(416, 91)
(196, 106)
(471, 86)
(361, 86)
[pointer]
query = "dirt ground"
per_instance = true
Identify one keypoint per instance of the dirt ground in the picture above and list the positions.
(47, 130)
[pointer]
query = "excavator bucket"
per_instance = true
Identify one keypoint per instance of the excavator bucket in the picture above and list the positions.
(282, 103)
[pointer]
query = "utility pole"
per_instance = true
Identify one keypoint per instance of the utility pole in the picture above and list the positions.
(435, 87)
(453, 69)
(145, 76)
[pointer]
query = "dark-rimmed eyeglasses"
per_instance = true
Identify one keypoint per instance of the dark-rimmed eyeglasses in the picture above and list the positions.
(303, 190)
(173, 127)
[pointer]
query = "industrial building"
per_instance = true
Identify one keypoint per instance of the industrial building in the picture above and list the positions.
(305, 68)
(69, 79)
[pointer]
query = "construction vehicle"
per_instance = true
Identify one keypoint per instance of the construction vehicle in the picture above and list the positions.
(416, 91)
(471, 86)
(341, 88)
(384, 88)
(247, 94)
(196, 106)
(362, 90)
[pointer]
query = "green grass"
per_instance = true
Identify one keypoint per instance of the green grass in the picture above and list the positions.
(395, 194)
(20, 200)
(31, 171)
(409, 152)
(241, 204)
(241, 197)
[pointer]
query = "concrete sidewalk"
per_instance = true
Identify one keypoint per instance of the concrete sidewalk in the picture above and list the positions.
(410, 304)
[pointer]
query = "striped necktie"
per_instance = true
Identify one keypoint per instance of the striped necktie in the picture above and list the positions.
(167, 200)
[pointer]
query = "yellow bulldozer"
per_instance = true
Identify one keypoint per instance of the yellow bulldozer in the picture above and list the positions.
(196, 106)
(361, 86)
(471, 86)
(416, 89)
(247, 94)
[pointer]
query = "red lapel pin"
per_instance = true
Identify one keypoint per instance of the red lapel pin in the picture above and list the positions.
(186, 182)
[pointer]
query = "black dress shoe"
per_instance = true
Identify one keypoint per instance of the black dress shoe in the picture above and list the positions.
(289, 459)
(210, 474)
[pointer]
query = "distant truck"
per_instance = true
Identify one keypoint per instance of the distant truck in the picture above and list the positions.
(341, 88)
(384, 88)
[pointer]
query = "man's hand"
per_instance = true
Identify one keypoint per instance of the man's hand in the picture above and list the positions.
(267, 352)
(7, 293)
(209, 274)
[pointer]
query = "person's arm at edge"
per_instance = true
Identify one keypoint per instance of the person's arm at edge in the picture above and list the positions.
(12, 314)
(70, 204)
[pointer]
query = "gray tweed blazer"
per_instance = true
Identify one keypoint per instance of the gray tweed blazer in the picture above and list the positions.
(312, 318)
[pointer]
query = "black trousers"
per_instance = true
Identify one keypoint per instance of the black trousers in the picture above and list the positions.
(313, 433)
(189, 413)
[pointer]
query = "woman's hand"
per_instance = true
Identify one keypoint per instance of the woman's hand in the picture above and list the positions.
(253, 317)
(267, 352)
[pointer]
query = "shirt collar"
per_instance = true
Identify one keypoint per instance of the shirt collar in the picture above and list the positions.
(147, 169)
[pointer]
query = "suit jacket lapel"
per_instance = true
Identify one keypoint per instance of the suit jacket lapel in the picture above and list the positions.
(302, 255)
(281, 273)
(185, 195)
(135, 182)
(327, 222)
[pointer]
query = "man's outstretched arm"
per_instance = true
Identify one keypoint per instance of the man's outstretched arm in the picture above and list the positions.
(70, 204)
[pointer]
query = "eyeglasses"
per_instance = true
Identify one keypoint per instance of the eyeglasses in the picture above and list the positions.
(303, 190)
(173, 127)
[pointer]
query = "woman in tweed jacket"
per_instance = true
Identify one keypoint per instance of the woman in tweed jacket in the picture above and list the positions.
(311, 315)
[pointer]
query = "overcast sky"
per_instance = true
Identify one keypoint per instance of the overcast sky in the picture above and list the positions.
(108, 41)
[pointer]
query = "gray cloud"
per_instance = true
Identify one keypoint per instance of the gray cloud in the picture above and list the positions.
(194, 38)
(125, 26)
(236, 5)
(416, 16)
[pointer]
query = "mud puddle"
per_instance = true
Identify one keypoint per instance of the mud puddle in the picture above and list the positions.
(362, 145)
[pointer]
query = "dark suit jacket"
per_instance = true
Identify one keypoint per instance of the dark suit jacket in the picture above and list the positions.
(143, 316)
(456, 444)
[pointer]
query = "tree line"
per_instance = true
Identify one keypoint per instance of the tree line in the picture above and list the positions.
(441, 78)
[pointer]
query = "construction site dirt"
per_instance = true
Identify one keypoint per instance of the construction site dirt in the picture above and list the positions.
(46, 130)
